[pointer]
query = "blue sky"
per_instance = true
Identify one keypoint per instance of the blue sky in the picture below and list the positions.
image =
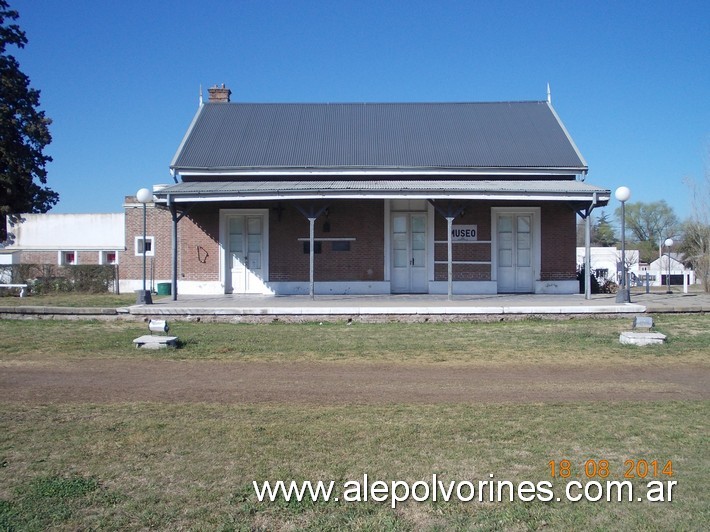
(630, 80)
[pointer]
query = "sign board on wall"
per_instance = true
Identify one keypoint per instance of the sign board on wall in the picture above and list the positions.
(464, 233)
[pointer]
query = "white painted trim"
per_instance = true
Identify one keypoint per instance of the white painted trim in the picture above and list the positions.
(431, 247)
(408, 171)
(569, 137)
(150, 253)
(188, 288)
(223, 215)
(426, 195)
(462, 262)
(464, 287)
(329, 239)
(463, 242)
(557, 287)
(184, 139)
(62, 262)
(331, 288)
(388, 240)
(104, 251)
(536, 237)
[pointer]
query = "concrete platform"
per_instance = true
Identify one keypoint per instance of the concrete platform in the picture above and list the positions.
(383, 305)
(375, 308)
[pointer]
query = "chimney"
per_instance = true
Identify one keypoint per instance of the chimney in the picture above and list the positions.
(219, 94)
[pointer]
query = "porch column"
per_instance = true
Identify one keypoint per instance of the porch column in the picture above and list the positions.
(174, 241)
(586, 215)
(450, 213)
(312, 215)
(587, 258)
(311, 256)
(449, 259)
(173, 214)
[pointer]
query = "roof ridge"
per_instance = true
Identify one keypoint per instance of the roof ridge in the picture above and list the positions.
(385, 103)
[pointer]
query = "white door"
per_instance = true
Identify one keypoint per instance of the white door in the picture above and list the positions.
(515, 253)
(244, 254)
(409, 271)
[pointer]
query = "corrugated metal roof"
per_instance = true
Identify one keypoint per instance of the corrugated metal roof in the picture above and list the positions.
(223, 190)
(246, 136)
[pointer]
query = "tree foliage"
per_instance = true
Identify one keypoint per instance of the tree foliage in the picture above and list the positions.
(602, 232)
(24, 132)
(695, 244)
(695, 248)
(650, 224)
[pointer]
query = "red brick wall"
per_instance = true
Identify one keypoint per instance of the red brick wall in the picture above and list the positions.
(559, 241)
(52, 257)
(474, 214)
(362, 220)
(198, 241)
(39, 257)
(158, 226)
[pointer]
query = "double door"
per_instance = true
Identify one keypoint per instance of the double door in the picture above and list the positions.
(515, 253)
(245, 254)
(409, 253)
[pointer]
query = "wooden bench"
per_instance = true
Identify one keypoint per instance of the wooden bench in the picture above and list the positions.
(20, 286)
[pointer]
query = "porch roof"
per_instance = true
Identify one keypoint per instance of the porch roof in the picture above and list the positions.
(510, 190)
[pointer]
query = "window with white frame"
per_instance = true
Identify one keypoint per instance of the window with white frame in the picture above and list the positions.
(108, 257)
(68, 258)
(149, 246)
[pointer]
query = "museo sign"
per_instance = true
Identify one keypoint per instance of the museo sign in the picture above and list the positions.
(464, 233)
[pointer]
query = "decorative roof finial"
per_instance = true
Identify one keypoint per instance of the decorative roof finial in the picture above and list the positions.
(549, 94)
(200, 94)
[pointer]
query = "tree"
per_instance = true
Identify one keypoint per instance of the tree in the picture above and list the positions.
(603, 233)
(695, 244)
(695, 248)
(24, 133)
(650, 224)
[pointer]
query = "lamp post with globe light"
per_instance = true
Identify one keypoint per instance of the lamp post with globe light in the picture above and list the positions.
(623, 295)
(144, 196)
(669, 243)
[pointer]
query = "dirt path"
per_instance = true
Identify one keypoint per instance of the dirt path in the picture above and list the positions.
(116, 381)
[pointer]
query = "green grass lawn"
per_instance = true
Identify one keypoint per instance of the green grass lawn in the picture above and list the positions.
(166, 466)
(190, 466)
(576, 341)
(69, 299)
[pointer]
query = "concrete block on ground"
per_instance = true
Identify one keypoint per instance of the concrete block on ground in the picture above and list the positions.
(148, 341)
(643, 322)
(641, 338)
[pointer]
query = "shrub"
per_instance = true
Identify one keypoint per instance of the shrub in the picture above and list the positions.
(594, 283)
(48, 278)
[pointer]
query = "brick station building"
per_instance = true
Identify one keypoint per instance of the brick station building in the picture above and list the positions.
(462, 198)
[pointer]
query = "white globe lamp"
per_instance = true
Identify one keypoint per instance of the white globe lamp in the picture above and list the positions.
(624, 294)
(144, 196)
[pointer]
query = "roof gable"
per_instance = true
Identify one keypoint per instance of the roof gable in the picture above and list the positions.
(500, 135)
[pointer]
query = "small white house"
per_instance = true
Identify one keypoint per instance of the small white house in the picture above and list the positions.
(660, 268)
(605, 263)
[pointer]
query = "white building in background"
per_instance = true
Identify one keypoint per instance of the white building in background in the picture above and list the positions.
(605, 263)
(66, 239)
(606, 266)
(658, 271)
